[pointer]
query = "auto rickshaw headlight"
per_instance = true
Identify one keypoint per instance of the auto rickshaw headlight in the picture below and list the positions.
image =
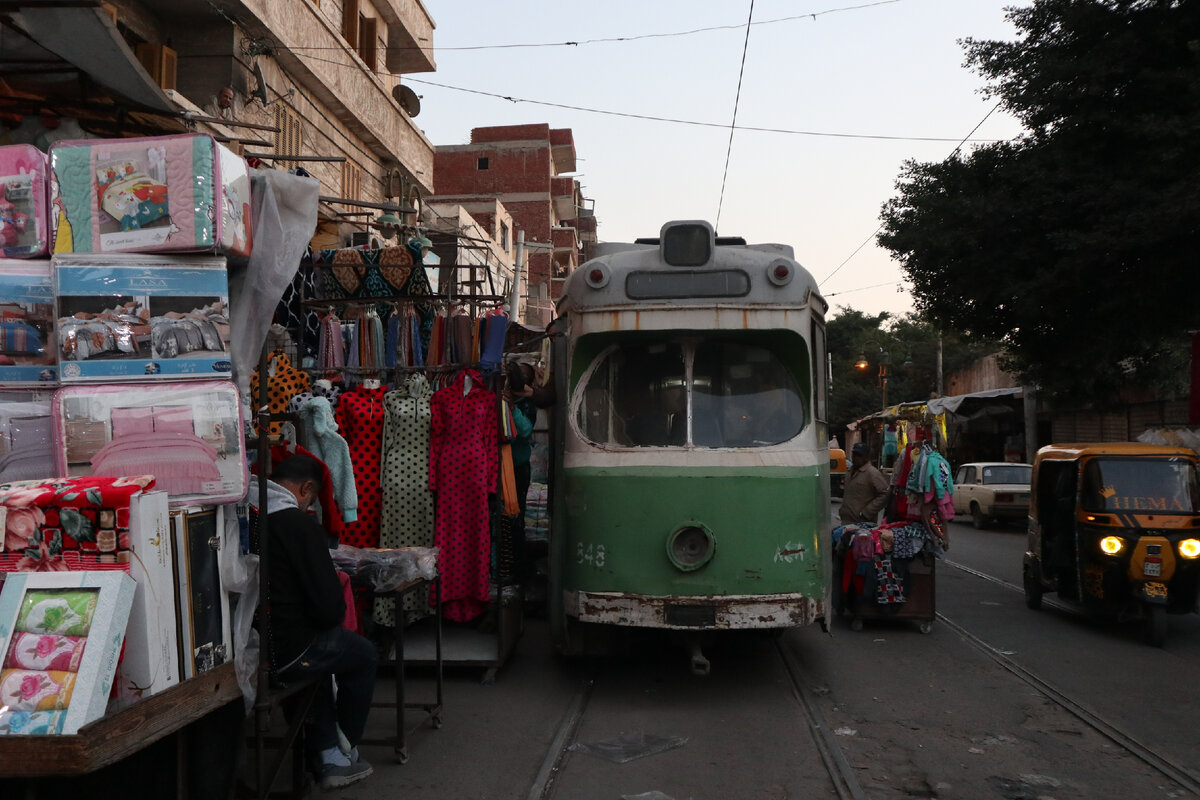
(1111, 545)
(1189, 548)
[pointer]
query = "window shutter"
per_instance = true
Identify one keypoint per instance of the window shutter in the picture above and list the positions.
(350, 21)
(368, 41)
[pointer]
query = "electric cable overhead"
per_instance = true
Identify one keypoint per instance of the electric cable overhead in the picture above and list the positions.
(617, 39)
(866, 241)
(677, 121)
(859, 289)
(733, 122)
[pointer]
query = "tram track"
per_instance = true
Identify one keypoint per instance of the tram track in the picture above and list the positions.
(845, 782)
(564, 735)
(842, 775)
(1164, 765)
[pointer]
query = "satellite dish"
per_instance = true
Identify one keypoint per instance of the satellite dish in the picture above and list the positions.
(260, 90)
(407, 99)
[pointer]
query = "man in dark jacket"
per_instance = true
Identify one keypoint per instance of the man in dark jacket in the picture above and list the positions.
(307, 609)
(865, 491)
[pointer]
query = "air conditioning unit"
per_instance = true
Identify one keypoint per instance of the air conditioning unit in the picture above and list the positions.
(160, 61)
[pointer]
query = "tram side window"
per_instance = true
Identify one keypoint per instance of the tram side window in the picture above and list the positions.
(743, 396)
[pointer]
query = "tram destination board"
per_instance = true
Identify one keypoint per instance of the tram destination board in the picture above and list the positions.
(663, 285)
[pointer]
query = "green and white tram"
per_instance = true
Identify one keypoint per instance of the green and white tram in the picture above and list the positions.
(691, 474)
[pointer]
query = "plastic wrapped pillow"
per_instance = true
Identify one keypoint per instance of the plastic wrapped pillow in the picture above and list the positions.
(386, 570)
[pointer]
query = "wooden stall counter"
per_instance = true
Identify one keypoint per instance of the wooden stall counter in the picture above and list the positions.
(115, 737)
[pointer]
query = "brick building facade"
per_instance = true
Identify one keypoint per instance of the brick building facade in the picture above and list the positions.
(524, 168)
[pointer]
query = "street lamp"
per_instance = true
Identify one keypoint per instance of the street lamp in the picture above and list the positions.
(862, 364)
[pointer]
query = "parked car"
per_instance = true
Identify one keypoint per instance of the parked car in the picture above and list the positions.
(837, 470)
(992, 490)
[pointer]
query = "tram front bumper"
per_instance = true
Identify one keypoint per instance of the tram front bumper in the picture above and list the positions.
(726, 612)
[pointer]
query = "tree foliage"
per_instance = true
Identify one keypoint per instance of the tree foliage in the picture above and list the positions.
(1076, 245)
(906, 345)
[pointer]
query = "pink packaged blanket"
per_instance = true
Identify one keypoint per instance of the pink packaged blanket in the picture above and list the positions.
(187, 435)
(24, 226)
(178, 193)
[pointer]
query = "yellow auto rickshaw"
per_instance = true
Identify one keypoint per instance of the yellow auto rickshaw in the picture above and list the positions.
(1116, 528)
(837, 471)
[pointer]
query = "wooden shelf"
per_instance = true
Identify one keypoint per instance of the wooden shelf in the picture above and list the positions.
(117, 736)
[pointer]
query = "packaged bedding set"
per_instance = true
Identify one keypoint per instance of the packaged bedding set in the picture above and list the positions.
(164, 194)
(27, 352)
(24, 227)
(187, 435)
(141, 317)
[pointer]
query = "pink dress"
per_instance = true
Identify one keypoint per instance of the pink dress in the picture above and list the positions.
(463, 464)
(359, 417)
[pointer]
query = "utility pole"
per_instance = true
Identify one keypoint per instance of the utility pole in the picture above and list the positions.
(515, 310)
(940, 393)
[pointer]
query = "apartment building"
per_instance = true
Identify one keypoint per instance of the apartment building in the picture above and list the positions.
(317, 85)
(529, 170)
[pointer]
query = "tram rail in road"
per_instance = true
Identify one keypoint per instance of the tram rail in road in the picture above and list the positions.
(841, 773)
(1167, 767)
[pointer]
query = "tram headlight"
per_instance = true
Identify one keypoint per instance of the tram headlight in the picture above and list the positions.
(780, 272)
(1189, 548)
(690, 547)
(1112, 545)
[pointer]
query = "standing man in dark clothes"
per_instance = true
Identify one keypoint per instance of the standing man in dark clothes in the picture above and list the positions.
(865, 490)
(307, 609)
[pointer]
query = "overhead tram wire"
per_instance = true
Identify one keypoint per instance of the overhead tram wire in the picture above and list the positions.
(675, 121)
(867, 241)
(859, 289)
(733, 122)
(618, 39)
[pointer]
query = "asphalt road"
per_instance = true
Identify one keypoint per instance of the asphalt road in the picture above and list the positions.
(913, 715)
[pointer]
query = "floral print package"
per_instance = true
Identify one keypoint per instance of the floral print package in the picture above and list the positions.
(60, 638)
(69, 524)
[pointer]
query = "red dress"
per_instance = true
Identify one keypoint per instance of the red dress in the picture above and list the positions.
(359, 417)
(463, 463)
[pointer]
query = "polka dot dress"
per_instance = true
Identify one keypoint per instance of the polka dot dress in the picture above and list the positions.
(283, 383)
(463, 463)
(407, 519)
(359, 417)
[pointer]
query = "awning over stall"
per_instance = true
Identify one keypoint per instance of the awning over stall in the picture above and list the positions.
(969, 404)
(86, 39)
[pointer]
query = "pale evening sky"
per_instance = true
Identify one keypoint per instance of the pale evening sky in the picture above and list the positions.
(858, 68)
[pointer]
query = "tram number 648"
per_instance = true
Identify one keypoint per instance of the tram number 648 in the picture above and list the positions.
(592, 555)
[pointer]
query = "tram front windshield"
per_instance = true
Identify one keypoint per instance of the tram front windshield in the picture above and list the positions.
(704, 393)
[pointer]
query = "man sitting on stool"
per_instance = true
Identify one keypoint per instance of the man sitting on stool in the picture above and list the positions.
(307, 609)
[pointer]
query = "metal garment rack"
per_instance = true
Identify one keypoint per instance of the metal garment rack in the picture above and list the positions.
(266, 696)
(458, 646)
(433, 710)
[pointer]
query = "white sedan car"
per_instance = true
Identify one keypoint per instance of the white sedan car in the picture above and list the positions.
(992, 490)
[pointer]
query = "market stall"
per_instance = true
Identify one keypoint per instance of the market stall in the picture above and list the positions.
(886, 570)
(131, 326)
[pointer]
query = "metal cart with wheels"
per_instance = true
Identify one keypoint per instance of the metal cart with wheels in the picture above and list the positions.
(919, 593)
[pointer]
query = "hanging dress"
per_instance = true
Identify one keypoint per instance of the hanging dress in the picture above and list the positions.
(407, 519)
(463, 464)
(283, 383)
(359, 419)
